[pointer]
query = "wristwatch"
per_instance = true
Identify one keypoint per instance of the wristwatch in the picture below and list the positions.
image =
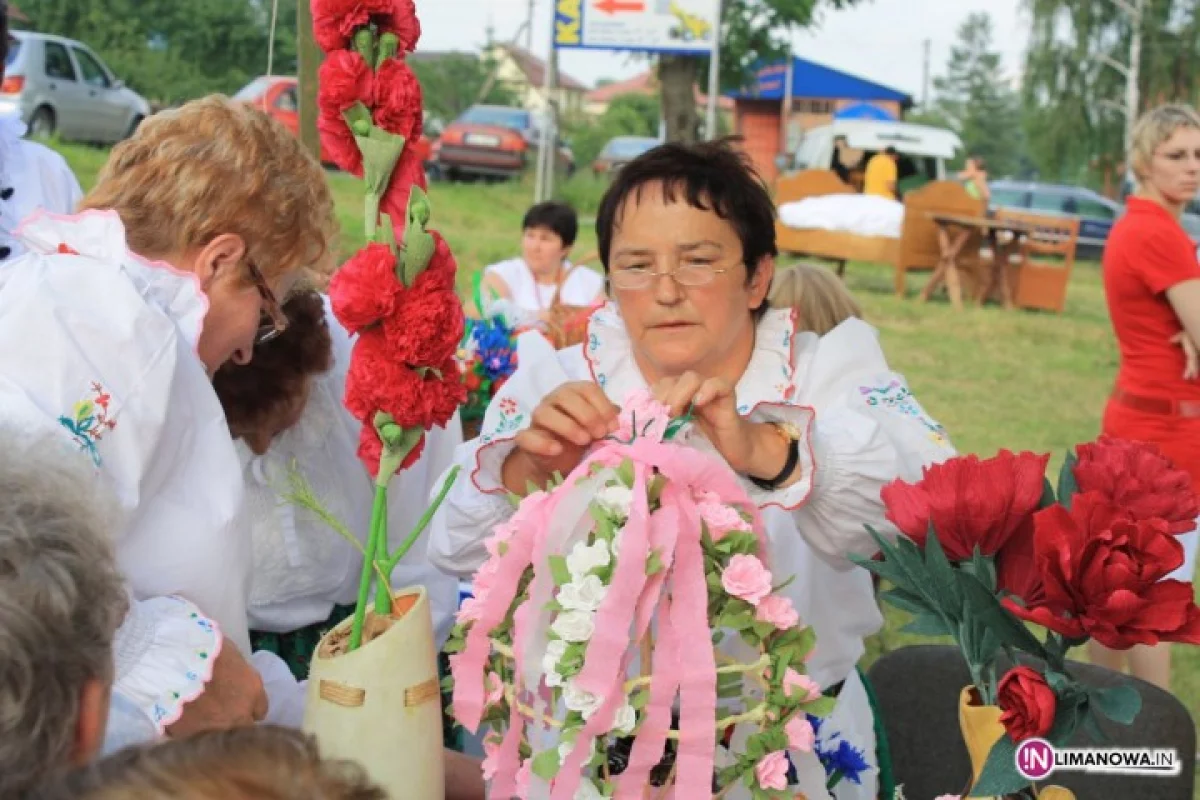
(791, 434)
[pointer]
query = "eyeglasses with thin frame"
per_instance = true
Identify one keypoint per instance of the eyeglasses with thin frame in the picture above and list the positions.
(690, 274)
(274, 321)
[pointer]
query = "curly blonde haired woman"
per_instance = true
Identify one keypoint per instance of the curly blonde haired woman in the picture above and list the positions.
(197, 227)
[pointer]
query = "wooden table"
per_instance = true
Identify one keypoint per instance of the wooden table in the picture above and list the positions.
(954, 231)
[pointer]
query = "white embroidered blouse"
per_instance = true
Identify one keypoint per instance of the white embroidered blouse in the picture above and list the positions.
(32, 176)
(100, 350)
(302, 568)
(862, 428)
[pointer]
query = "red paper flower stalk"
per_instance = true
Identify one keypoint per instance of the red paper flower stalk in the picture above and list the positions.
(988, 543)
(399, 300)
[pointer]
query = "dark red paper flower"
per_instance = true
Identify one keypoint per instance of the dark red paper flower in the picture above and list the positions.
(1027, 702)
(377, 381)
(1136, 477)
(427, 325)
(364, 291)
(338, 144)
(370, 450)
(403, 22)
(970, 502)
(442, 270)
(409, 172)
(343, 80)
(398, 101)
(437, 397)
(336, 21)
(1102, 574)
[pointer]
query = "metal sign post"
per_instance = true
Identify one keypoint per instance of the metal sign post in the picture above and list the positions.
(714, 79)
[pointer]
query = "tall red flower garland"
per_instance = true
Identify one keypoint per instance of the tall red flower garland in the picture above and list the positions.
(395, 295)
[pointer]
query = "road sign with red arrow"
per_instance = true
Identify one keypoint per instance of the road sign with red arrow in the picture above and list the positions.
(618, 6)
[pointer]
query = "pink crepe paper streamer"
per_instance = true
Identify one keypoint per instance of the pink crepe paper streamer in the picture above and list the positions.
(651, 740)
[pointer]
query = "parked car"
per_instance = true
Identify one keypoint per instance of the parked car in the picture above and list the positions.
(620, 151)
(59, 86)
(279, 96)
(924, 150)
(1190, 219)
(493, 142)
(1096, 213)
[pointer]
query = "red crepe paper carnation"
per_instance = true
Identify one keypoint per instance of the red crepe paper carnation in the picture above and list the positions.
(336, 21)
(398, 101)
(427, 326)
(442, 270)
(409, 172)
(1136, 477)
(970, 502)
(364, 291)
(344, 79)
(403, 22)
(1102, 573)
(377, 381)
(338, 144)
(434, 398)
(1027, 702)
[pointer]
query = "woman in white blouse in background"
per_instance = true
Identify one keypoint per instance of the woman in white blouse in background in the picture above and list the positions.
(814, 426)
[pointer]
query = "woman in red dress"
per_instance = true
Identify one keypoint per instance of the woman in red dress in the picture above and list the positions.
(1152, 284)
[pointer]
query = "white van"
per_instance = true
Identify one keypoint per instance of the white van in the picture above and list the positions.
(923, 150)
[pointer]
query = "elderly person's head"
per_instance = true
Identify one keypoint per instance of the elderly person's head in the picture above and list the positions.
(219, 189)
(264, 398)
(1165, 155)
(819, 298)
(61, 601)
(254, 763)
(687, 237)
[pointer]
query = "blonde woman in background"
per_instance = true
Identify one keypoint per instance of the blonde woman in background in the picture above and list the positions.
(819, 297)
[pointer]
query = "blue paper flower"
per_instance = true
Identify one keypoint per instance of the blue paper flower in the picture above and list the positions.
(841, 759)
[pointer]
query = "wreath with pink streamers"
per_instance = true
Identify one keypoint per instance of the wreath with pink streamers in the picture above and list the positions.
(625, 623)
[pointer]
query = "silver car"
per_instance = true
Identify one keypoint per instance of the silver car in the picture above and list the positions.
(59, 86)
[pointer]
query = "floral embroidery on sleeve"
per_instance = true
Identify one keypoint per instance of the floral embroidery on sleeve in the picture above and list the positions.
(509, 421)
(896, 398)
(89, 421)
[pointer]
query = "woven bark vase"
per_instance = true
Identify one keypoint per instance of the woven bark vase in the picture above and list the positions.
(380, 705)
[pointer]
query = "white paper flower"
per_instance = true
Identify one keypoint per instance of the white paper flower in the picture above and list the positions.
(580, 700)
(582, 594)
(555, 650)
(587, 791)
(616, 541)
(574, 626)
(584, 558)
(616, 500)
(553, 679)
(565, 748)
(624, 720)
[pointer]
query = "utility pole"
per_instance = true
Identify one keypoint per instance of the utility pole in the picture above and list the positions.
(309, 57)
(925, 77)
(714, 78)
(529, 26)
(1134, 10)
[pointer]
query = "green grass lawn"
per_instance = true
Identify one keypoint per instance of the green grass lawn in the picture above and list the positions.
(995, 379)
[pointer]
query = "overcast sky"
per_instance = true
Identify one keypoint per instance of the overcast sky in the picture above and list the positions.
(878, 39)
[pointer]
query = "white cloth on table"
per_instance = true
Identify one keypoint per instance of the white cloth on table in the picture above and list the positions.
(302, 568)
(37, 177)
(580, 287)
(862, 428)
(101, 352)
(862, 214)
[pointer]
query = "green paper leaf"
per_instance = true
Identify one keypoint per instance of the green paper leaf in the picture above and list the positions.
(1048, 497)
(654, 564)
(558, 569)
(906, 601)
(928, 625)
(419, 245)
(1067, 485)
(1000, 776)
(545, 764)
(625, 473)
(985, 606)
(821, 707)
(1120, 704)
(389, 46)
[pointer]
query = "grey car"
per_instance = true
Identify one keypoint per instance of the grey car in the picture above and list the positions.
(59, 86)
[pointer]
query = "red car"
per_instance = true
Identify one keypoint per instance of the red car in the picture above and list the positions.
(280, 97)
(491, 142)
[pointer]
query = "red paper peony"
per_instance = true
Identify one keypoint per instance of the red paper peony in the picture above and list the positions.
(343, 80)
(1139, 479)
(364, 291)
(971, 502)
(338, 144)
(336, 21)
(1102, 576)
(427, 325)
(1028, 704)
(397, 101)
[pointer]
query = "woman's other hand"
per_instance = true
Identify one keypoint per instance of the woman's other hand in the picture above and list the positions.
(564, 425)
(234, 698)
(1191, 370)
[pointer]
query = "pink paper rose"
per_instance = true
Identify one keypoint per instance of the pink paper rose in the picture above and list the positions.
(793, 680)
(495, 689)
(771, 771)
(800, 733)
(746, 578)
(644, 417)
(721, 518)
(778, 611)
(470, 610)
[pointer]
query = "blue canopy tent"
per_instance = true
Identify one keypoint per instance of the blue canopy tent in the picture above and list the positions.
(864, 111)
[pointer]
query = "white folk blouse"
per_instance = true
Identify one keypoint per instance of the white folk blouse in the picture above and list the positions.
(862, 428)
(32, 176)
(99, 351)
(302, 568)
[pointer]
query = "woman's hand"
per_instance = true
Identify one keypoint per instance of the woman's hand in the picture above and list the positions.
(748, 448)
(1191, 370)
(234, 698)
(563, 426)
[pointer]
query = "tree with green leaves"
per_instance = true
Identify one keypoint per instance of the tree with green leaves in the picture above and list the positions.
(976, 100)
(453, 82)
(753, 32)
